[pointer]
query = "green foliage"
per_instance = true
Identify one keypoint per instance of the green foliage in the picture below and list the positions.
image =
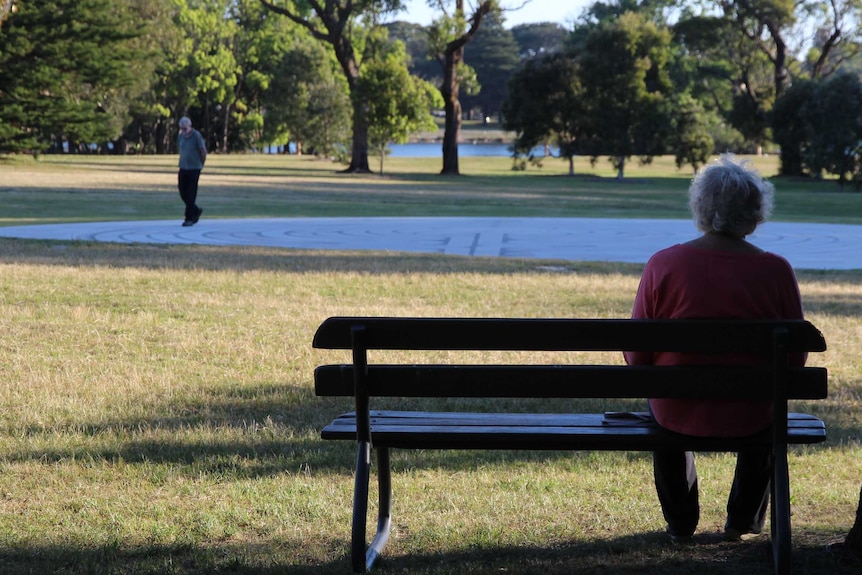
(396, 104)
(546, 102)
(539, 39)
(789, 127)
(342, 25)
(819, 126)
(415, 39)
(121, 73)
(690, 139)
(624, 71)
(306, 101)
(443, 33)
(493, 54)
(64, 73)
(833, 120)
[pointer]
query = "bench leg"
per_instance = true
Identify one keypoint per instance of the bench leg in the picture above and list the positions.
(780, 516)
(361, 558)
(384, 513)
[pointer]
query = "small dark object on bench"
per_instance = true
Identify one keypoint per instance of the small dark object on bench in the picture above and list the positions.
(624, 431)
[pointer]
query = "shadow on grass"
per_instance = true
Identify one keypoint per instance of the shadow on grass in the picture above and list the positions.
(631, 555)
(244, 258)
(274, 429)
(297, 165)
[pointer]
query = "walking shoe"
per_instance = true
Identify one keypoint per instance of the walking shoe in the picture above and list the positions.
(731, 534)
(188, 223)
(198, 216)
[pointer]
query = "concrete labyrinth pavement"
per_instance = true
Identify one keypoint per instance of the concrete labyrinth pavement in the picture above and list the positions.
(806, 246)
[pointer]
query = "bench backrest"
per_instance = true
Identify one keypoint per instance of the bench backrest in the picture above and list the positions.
(774, 339)
(718, 336)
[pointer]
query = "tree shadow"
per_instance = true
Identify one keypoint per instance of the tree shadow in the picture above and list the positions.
(253, 258)
(640, 554)
(287, 420)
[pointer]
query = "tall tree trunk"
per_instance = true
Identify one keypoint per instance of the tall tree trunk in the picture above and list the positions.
(452, 132)
(160, 137)
(779, 60)
(225, 129)
(453, 55)
(359, 147)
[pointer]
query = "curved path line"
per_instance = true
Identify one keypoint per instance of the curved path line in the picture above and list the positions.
(806, 246)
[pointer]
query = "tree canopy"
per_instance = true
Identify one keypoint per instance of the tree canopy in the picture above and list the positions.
(50, 93)
(630, 78)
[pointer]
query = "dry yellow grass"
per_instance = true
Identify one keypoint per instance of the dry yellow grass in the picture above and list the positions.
(158, 417)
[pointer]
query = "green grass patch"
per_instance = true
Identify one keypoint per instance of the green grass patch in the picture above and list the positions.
(100, 188)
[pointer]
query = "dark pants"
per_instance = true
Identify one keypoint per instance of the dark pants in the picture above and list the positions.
(188, 184)
(676, 484)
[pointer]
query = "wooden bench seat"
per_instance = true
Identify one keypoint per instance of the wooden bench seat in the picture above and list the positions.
(775, 380)
(628, 431)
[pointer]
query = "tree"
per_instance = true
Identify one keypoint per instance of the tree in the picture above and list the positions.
(624, 72)
(415, 40)
(690, 139)
(729, 76)
(833, 121)
(788, 126)
(819, 127)
(63, 69)
(333, 22)
(493, 54)
(212, 65)
(546, 102)
(539, 39)
(449, 34)
(756, 45)
(308, 102)
(398, 104)
(837, 37)
(765, 23)
(162, 44)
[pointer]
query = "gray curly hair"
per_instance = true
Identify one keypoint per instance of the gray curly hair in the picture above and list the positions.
(730, 196)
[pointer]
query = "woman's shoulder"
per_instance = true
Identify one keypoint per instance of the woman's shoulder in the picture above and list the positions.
(669, 254)
(685, 256)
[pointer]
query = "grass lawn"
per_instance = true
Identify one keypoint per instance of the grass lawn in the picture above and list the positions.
(158, 415)
(87, 188)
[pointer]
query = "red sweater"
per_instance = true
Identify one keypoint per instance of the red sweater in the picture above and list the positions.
(687, 282)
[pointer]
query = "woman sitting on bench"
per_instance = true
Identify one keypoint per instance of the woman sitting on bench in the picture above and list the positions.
(718, 275)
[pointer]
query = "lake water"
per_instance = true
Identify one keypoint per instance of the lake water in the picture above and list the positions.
(435, 150)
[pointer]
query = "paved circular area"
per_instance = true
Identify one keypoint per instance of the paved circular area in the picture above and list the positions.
(806, 246)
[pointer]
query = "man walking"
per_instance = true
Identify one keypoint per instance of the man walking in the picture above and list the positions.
(193, 156)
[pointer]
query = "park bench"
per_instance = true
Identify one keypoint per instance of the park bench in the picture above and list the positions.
(775, 379)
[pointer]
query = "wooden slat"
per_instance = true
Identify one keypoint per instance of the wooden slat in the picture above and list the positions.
(559, 381)
(706, 336)
(548, 431)
(459, 418)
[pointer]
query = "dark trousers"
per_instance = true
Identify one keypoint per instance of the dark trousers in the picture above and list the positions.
(188, 184)
(676, 484)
